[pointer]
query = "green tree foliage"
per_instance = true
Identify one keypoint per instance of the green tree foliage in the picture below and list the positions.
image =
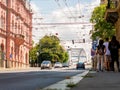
(50, 49)
(33, 55)
(102, 29)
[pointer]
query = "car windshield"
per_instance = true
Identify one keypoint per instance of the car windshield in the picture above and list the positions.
(57, 63)
(45, 62)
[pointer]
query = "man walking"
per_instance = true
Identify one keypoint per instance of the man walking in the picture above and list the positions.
(114, 48)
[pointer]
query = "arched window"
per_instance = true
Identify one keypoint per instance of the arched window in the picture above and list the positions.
(2, 22)
(13, 25)
(2, 47)
(26, 58)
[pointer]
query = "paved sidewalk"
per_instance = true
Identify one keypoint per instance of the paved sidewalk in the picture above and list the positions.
(99, 81)
(10, 70)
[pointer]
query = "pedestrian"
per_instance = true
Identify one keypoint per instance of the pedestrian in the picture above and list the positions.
(107, 57)
(100, 55)
(114, 50)
(93, 58)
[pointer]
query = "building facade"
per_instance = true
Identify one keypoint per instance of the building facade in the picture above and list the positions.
(15, 33)
(103, 1)
(112, 15)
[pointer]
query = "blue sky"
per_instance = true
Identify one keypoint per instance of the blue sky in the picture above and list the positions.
(55, 11)
(47, 6)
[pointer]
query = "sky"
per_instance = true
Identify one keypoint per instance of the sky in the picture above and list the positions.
(52, 12)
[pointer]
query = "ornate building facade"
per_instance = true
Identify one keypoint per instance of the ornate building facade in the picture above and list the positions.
(103, 1)
(112, 15)
(15, 33)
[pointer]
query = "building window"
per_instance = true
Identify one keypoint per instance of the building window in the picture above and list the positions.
(12, 25)
(2, 22)
(2, 47)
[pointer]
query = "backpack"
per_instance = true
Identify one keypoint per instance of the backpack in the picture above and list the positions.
(114, 46)
(101, 50)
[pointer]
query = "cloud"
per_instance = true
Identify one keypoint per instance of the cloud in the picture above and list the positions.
(67, 32)
(64, 15)
(35, 8)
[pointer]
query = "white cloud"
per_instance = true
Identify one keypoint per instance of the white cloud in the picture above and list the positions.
(66, 32)
(69, 32)
(35, 8)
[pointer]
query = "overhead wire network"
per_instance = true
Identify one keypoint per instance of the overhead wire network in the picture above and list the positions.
(57, 2)
(65, 2)
(66, 15)
(66, 10)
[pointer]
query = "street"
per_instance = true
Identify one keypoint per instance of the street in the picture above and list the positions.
(34, 80)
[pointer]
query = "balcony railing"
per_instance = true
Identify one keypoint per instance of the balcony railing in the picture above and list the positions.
(111, 14)
(112, 4)
(19, 39)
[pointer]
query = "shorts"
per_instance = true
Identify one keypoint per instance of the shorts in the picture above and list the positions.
(107, 58)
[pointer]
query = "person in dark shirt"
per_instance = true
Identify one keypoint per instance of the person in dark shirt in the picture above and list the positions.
(114, 50)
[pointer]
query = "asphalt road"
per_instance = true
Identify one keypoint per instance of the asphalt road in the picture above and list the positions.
(33, 80)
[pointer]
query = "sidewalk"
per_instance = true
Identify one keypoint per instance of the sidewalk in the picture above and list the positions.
(99, 81)
(9, 70)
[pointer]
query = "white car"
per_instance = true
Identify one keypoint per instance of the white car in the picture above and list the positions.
(58, 65)
(46, 64)
(65, 65)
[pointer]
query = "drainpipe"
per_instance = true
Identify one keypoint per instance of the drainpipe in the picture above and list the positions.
(7, 32)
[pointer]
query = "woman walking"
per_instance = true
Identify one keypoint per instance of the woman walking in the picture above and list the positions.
(107, 55)
(100, 51)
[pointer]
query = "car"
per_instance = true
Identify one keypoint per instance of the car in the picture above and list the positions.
(65, 64)
(58, 65)
(80, 65)
(46, 64)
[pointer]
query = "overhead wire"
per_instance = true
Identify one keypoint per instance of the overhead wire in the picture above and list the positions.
(72, 16)
(79, 6)
(57, 2)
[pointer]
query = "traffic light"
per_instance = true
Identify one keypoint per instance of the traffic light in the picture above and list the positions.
(83, 40)
(72, 41)
(56, 33)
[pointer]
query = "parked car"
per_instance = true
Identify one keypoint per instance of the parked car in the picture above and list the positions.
(65, 65)
(46, 64)
(80, 65)
(58, 65)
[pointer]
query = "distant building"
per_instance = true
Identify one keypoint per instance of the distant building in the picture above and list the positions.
(15, 33)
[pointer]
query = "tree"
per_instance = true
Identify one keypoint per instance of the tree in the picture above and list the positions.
(33, 55)
(50, 49)
(102, 28)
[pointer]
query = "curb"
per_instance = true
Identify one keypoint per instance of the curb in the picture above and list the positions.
(62, 85)
(12, 70)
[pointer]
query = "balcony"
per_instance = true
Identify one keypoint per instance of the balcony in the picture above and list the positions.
(19, 39)
(111, 14)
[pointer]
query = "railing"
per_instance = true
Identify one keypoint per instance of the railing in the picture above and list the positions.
(19, 36)
(111, 14)
(19, 39)
(112, 4)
